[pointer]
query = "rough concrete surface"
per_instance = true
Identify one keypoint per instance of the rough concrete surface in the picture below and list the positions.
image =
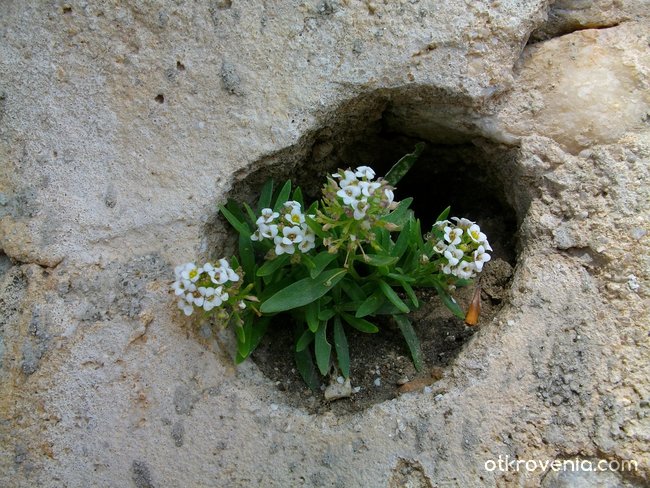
(123, 123)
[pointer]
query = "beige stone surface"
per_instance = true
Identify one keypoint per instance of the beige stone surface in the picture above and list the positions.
(122, 124)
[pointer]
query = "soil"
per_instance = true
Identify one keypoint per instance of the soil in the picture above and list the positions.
(384, 356)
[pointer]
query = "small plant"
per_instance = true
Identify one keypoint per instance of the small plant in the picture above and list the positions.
(333, 264)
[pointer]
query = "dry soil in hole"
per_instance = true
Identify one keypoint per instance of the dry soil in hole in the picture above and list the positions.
(384, 356)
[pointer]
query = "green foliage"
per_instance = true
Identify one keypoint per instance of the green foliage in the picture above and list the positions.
(339, 264)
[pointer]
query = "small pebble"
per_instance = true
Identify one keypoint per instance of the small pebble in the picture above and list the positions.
(340, 380)
(428, 389)
(274, 407)
(403, 380)
(377, 381)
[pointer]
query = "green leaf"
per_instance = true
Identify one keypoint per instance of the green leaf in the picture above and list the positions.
(449, 302)
(325, 315)
(270, 267)
(379, 260)
(239, 226)
(341, 346)
(320, 263)
(443, 215)
(360, 324)
(401, 277)
(283, 196)
(303, 291)
(402, 240)
(411, 338)
(316, 227)
(371, 304)
(410, 293)
(400, 215)
(297, 196)
(397, 172)
(353, 290)
(305, 339)
(305, 365)
(311, 315)
(247, 256)
(392, 297)
(251, 214)
(266, 195)
(323, 349)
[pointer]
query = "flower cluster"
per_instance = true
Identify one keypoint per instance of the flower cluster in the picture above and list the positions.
(462, 246)
(358, 191)
(206, 286)
(288, 229)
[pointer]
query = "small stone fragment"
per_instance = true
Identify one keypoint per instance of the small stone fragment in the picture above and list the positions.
(336, 391)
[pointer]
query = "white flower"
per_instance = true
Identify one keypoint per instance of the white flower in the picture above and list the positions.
(440, 247)
(368, 187)
(308, 242)
(465, 270)
(349, 194)
(453, 255)
(267, 231)
(214, 297)
(292, 235)
(268, 216)
(191, 272)
(282, 248)
(441, 224)
(463, 223)
(241, 304)
(349, 180)
(480, 257)
(474, 232)
(446, 269)
(453, 235)
(360, 209)
(295, 217)
(185, 307)
(291, 204)
(181, 287)
(390, 196)
(365, 172)
(255, 236)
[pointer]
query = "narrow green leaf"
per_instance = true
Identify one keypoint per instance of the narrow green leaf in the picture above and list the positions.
(379, 260)
(371, 304)
(239, 226)
(303, 291)
(283, 196)
(341, 346)
(297, 196)
(353, 290)
(305, 339)
(397, 172)
(392, 296)
(321, 261)
(448, 300)
(323, 349)
(411, 338)
(247, 256)
(305, 365)
(410, 293)
(360, 324)
(325, 315)
(400, 215)
(270, 267)
(258, 329)
(402, 240)
(311, 315)
(401, 277)
(251, 214)
(266, 195)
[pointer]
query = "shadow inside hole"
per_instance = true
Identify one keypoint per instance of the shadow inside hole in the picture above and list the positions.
(472, 177)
